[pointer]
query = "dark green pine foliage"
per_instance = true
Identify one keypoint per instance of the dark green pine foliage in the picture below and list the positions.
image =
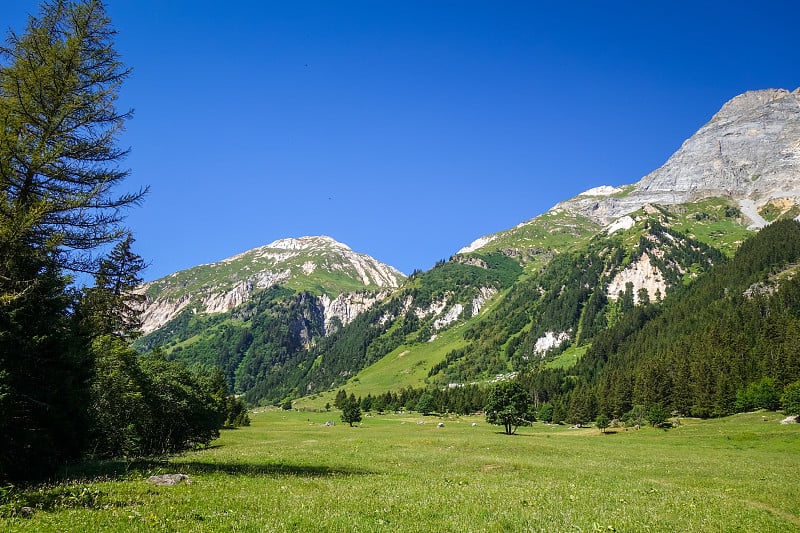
(43, 370)
(731, 336)
(58, 174)
(112, 306)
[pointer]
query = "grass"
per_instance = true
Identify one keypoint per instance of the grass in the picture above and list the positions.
(568, 358)
(707, 222)
(288, 472)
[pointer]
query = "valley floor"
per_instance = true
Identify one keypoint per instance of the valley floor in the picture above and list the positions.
(291, 472)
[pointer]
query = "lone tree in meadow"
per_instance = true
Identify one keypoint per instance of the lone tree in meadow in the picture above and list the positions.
(351, 411)
(425, 404)
(602, 422)
(509, 405)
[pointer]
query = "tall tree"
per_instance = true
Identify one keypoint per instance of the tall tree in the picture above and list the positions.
(113, 306)
(58, 171)
(58, 147)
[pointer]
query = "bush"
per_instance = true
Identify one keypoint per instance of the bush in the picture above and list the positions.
(791, 399)
(758, 395)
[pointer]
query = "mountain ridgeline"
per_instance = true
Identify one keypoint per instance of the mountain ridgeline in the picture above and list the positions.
(661, 293)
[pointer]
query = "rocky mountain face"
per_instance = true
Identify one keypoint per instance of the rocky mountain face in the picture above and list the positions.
(319, 265)
(748, 153)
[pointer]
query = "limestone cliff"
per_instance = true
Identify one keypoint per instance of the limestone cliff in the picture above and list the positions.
(748, 151)
(320, 266)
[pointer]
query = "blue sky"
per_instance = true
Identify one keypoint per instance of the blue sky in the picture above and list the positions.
(406, 129)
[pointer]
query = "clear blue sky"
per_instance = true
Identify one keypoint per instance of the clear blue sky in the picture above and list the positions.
(406, 129)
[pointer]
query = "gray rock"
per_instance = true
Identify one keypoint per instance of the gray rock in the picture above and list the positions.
(169, 479)
(748, 151)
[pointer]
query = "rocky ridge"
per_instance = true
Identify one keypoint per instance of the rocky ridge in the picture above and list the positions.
(320, 265)
(748, 152)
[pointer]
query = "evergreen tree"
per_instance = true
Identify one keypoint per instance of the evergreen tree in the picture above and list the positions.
(58, 155)
(112, 307)
(58, 172)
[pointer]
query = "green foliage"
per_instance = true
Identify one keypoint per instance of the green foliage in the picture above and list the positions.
(149, 406)
(112, 306)
(761, 394)
(791, 398)
(236, 413)
(657, 416)
(721, 335)
(509, 405)
(351, 411)
(43, 369)
(637, 416)
(425, 404)
(602, 422)
(545, 412)
(58, 156)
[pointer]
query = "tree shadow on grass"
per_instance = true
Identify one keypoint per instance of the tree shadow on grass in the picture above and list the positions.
(76, 488)
(115, 470)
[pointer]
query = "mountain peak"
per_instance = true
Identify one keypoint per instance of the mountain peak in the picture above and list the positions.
(319, 265)
(749, 153)
(304, 243)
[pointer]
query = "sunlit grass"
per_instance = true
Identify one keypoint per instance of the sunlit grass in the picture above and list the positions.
(289, 472)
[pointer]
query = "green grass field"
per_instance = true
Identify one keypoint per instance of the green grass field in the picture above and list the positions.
(289, 472)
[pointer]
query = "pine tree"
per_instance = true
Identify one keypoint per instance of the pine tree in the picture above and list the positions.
(112, 306)
(58, 171)
(58, 155)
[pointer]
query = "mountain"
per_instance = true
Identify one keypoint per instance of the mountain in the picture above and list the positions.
(592, 260)
(536, 298)
(747, 155)
(250, 313)
(319, 265)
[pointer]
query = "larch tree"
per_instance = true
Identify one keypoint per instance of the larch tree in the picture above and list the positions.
(59, 170)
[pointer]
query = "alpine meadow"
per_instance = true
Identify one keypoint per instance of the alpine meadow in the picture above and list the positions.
(628, 360)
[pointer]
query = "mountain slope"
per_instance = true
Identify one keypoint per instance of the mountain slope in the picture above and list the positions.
(698, 353)
(511, 302)
(318, 265)
(748, 155)
(592, 259)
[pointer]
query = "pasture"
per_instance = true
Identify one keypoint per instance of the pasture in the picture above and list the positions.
(290, 472)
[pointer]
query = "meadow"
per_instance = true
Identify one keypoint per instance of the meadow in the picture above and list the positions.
(288, 471)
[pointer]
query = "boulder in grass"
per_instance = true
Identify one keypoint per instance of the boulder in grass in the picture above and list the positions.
(169, 479)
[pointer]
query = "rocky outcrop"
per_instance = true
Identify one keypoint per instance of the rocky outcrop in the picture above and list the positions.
(749, 150)
(642, 275)
(485, 294)
(346, 307)
(549, 340)
(321, 265)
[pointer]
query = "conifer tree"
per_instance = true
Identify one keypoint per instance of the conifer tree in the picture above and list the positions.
(58, 173)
